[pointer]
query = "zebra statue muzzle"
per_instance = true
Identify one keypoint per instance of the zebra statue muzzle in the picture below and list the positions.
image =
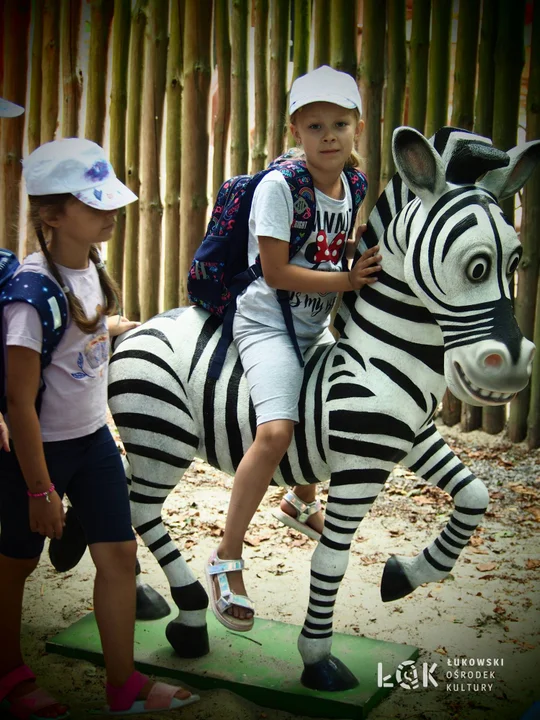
(439, 315)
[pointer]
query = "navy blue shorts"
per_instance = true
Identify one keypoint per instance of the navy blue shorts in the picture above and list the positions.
(89, 471)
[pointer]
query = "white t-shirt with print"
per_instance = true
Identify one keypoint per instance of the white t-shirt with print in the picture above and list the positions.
(272, 215)
(75, 401)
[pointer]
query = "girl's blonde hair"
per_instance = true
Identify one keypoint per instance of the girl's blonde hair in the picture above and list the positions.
(354, 160)
(41, 204)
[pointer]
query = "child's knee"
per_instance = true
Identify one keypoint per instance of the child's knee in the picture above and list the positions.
(275, 437)
(115, 558)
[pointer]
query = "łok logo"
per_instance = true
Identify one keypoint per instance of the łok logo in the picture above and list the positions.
(407, 676)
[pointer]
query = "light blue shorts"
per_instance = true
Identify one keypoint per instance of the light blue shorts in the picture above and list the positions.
(271, 366)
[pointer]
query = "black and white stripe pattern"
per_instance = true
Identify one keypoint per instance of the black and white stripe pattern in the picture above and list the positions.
(367, 402)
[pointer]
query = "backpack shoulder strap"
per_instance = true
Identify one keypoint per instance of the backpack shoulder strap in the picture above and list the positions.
(300, 183)
(358, 185)
(46, 296)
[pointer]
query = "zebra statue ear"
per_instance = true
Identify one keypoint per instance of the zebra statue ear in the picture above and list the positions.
(505, 182)
(419, 164)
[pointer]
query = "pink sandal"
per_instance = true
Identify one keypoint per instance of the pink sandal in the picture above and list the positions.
(28, 706)
(123, 700)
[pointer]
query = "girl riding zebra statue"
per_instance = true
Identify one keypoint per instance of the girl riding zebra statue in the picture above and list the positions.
(439, 316)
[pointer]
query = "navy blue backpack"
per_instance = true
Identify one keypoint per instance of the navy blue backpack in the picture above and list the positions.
(46, 296)
(219, 271)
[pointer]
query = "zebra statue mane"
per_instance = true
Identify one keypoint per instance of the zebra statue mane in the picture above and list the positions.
(440, 313)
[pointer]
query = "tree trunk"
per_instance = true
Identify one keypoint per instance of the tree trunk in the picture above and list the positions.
(279, 57)
(71, 81)
(451, 409)
(15, 45)
(101, 15)
(471, 417)
(223, 115)
(321, 32)
(118, 110)
(173, 154)
(195, 141)
(371, 87)
(260, 19)
(466, 58)
(509, 61)
(418, 64)
(483, 122)
(439, 65)
(33, 111)
(239, 88)
(395, 83)
(301, 37)
(151, 209)
(133, 130)
(50, 70)
(343, 30)
(526, 408)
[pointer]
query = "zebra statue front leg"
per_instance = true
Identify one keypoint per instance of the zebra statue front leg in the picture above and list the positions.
(351, 495)
(432, 459)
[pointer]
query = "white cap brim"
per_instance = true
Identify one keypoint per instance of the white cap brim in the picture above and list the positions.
(109, 195)
(9, 109)
(340, 100)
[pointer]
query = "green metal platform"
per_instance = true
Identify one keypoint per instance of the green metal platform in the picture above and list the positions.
(263, 666)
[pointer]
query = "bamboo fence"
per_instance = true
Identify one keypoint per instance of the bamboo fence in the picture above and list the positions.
(184, 93)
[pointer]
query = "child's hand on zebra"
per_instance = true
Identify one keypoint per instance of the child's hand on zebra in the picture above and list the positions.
(352, 243)
(362, 273)
(4, 434)
(118, 324)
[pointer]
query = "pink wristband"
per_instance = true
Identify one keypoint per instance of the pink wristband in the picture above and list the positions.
(42, 494)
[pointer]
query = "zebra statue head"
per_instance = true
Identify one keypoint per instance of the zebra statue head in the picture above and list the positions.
(459, 252)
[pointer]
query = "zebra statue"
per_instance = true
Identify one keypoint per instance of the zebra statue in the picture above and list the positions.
(440, 314)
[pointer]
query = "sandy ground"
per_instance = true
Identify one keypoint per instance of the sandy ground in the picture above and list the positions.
(488, 609)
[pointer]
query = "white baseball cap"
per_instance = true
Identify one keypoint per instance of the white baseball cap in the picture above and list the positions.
(79, 167)
(9, 109)
(325, 85)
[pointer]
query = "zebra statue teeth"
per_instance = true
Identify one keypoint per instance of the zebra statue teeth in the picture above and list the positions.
(439, 314)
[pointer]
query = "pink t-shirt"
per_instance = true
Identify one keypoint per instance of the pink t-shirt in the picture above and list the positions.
(75, 400)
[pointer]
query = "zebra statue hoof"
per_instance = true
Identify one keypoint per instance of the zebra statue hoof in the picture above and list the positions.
(188, 641)
(394, 583)
(329, 674)
(150, 604)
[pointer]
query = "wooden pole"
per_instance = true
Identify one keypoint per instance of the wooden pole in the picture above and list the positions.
(279, 53)
(321, 32)
(15, 44)
(509, 61)
(171, 248)
(260, 19)
(395, 83)
(33, 111)
(223, 115)
(301, 37)
(466, 58)
(239, 88)
(439, 65)
(371, 87)
(118, 111)
(133, 130)
(101, 14)
(50, 70)
(195, 141)
(418, 64)
(151, 208)
(483, 121)
(71, 80)
(343, 31)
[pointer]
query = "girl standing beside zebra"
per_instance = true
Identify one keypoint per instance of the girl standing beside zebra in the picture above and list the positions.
(73, 196)
(325, 115)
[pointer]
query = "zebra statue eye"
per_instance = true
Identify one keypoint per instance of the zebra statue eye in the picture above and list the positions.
(513, 262)
(478, 268)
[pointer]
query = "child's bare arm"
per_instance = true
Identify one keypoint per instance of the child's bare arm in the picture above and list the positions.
(279, 273)
(4, 434)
